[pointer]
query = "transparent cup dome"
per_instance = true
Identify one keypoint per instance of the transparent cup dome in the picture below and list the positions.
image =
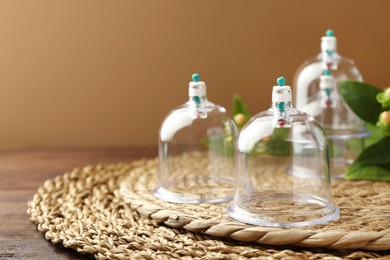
(317, 93)
(196, 151)
(275, 141)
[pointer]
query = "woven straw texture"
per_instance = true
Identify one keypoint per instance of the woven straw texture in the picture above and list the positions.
(84, 210)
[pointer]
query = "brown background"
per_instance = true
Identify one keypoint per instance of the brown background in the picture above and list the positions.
(104, 73)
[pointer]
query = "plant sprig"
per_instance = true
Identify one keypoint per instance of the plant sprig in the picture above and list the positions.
(370, 104)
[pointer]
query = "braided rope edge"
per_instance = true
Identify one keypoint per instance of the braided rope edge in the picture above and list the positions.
(369, 240)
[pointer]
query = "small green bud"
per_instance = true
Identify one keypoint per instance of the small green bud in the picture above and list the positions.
(240, 119)
(387, 92)
(385, 116)
(384, 122)
(384, 98)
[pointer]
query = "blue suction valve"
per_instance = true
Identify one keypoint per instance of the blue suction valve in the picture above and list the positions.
(281, 96)
(329, 33)
(282, 106)
(328, 47)
(195, 77)
(281, 81)
(329, 52)
(196, 98)
(327, 72)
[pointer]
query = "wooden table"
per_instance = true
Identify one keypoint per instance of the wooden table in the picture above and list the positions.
(22, 172)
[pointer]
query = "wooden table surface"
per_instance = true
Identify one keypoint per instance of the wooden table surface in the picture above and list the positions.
(22, 172)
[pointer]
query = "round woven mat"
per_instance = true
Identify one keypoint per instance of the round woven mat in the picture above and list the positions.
(84, 210)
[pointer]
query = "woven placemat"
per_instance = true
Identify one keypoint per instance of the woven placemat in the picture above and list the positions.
(364, 221)
(84, 210)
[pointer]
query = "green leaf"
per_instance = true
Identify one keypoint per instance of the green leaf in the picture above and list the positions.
(378, 153)
(278, 145)
(373, 163)
(355, 144)
(371, 172)
(240, 107)
(376, 135)
(361, 98)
